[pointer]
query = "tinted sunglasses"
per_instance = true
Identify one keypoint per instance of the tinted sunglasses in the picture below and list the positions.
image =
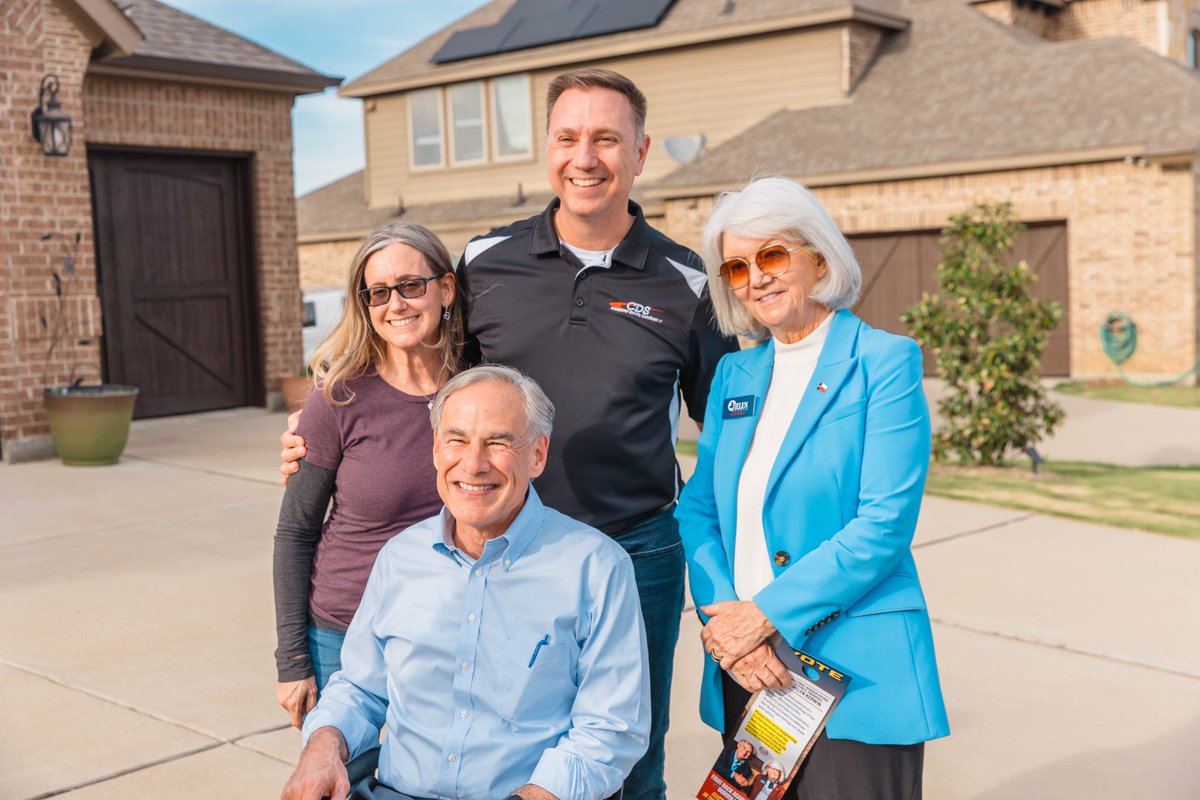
(409, 289)
(773, 260)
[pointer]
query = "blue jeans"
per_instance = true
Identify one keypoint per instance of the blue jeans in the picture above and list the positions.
(657, 554)
(325, 652)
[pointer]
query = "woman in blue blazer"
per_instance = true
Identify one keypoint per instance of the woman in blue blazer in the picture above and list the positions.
(799, 517)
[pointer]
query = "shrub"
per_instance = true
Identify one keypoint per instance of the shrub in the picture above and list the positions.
(986, 334)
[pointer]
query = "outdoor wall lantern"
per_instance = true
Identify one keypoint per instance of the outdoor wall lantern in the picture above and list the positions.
(51, 126)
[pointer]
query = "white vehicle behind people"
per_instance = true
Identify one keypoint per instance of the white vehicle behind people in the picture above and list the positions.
(322, 310)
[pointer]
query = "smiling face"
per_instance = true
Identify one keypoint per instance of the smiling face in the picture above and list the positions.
(773, 773)
(594, 154)
(780, 303)
(485, 459)
(404, 323)
(744, 749)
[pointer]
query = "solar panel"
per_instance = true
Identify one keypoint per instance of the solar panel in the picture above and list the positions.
(539, 29)
(472, 42)
(532, 23)
(612, 16)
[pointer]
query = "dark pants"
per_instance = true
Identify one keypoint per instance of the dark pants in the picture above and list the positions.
(843, 769)
(657, 553)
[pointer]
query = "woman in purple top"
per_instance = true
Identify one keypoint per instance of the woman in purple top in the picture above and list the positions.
(369, 448)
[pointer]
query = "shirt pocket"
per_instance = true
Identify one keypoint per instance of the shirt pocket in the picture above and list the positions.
(537, 694)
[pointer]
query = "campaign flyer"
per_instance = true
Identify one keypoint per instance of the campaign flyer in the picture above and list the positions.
(776, 730)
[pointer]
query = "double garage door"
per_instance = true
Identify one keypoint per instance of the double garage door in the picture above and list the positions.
(899, 267)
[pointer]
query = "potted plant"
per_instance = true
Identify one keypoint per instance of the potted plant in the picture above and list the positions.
(89, 424)
(295, 388)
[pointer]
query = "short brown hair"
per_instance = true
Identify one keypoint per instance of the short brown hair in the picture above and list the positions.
(599, 78)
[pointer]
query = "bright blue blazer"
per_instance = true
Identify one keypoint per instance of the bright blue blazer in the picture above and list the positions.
(842, 502)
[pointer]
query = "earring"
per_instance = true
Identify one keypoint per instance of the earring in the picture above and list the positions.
(446, 313)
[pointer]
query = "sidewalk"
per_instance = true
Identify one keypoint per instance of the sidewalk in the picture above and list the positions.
(135, 654)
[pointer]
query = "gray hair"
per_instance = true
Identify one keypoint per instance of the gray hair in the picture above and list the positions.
(539, 411)
(768, 207)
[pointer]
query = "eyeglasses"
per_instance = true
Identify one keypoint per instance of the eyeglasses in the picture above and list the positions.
(773, 260)
(409, 289)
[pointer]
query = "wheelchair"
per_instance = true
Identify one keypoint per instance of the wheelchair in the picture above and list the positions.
(364, 765)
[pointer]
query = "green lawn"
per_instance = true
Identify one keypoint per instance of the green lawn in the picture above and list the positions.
(1158, 499)
(1188, 396)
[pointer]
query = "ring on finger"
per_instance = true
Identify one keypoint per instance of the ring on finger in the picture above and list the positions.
(713, 655)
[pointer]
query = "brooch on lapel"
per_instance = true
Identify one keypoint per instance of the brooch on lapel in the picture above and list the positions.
(822, 387)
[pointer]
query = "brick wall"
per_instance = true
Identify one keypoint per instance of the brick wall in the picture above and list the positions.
(1138, 20)
(859, 42)
(38, 196)
(1132, 233)
(326, 263)
(1027, 16)
(1160, 26)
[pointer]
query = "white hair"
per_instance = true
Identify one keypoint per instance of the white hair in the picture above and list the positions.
(539, 411)
(777, 207)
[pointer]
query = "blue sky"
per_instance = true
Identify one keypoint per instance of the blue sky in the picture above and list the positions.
(336, 37)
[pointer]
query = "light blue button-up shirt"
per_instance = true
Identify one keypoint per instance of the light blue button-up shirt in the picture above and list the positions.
(525, 666)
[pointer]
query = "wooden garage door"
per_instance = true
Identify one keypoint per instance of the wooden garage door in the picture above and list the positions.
(899, 267)
(176, 285)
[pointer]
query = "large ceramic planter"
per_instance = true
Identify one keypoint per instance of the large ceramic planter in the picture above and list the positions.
(90, 424)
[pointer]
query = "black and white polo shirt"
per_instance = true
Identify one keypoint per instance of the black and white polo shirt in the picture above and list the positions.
(614, 346)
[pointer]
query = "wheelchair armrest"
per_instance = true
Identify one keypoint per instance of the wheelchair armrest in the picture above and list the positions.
(363, 765)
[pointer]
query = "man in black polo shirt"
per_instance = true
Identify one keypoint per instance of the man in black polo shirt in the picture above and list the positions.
(613, 320)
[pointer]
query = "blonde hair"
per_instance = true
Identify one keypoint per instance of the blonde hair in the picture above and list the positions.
(768, 207)
(353, 347)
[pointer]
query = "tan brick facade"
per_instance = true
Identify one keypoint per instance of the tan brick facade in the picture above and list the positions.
(859, 43)
(1161, 26)
(325, 263)
(1131, 243)
(40, 195)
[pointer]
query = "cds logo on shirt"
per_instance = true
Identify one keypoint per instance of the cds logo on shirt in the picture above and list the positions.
(637, 310)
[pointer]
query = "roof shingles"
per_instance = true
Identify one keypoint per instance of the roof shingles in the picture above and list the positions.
(174, 39)
(956, 87)
(683, 17)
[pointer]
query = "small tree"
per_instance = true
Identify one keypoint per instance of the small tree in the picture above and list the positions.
(987, 335)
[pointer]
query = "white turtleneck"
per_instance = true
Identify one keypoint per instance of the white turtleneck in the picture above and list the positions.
(792, 371)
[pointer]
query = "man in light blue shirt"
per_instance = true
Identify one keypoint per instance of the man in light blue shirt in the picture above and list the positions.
(501, 642)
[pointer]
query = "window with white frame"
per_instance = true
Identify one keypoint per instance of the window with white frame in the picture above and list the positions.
(425, 126)
(450, 125)
(468, 145)
(511, 124)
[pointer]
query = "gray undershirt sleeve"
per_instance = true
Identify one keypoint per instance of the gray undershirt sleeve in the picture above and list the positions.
(301, 516)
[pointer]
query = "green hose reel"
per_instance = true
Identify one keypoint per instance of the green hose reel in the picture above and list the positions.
(1118, 337)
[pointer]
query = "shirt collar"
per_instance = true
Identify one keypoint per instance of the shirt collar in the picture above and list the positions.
(631, 251)
(513, 542)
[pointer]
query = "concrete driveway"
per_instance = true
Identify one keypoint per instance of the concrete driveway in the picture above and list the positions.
(136, 644)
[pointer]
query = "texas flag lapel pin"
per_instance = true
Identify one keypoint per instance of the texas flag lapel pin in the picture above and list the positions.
(822, 387)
